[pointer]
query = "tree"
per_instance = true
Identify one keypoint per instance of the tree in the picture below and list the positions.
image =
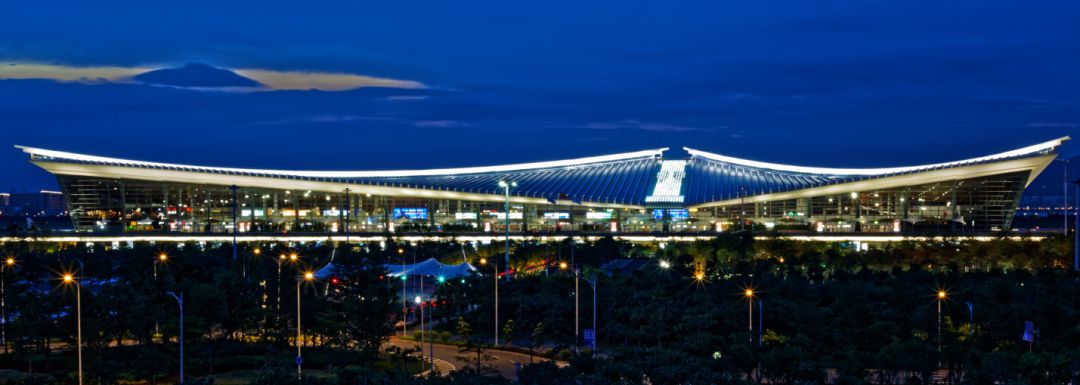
(508, 332)
(537, 339)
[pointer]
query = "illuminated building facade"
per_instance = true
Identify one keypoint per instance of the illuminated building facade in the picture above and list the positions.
(637, 192)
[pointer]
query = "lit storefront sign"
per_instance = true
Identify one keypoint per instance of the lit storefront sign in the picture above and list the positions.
(410, 212)
(674, 214)
(556, 215)
(598, 215)
(503, 216)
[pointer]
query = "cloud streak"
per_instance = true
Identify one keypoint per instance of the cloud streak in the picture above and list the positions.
(632, 124)
(65, 73)
(272, 79)
(439, 124)
(325, 81)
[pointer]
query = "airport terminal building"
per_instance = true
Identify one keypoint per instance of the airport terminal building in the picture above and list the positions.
(635, 192)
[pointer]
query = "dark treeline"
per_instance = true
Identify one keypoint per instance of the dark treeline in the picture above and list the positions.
(825, 312)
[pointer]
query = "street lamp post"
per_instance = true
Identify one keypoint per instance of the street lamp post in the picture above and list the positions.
(404, 299)
(495, 274)
(750, 317)
(596, 328)
(299, 334)
(161, 258)
(70, 279)
(8, 264)
(281, 260)
(577, 310)
(593, 282)
(941, 295)
(431, 334)
(180, 301)
(420, 304)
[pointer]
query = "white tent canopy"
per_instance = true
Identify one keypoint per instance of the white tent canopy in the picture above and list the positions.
(433, 268)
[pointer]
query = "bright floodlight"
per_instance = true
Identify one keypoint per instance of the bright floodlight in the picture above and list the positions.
(749, 292)
(442, 279)
(68, 278)
(941, 294)
(293, 256)
(699, 276)
(563, 265)
(483, 261)
(502, 183)
(163, 257)
(256, 251)
(309, 276)
(417, 299)
(10, 261)
(665, 264)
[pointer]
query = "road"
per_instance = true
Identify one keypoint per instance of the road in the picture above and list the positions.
(503, 361)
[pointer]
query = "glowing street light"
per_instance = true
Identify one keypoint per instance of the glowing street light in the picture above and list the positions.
(419, 303)
(665, 264)
(308, 276)
(563, 265)
(941, 296)
(161, 258)
(9, 263)
(281, 259)
(749, 293)
(69, 278)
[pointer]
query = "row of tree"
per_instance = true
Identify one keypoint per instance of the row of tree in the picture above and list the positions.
(819, 311)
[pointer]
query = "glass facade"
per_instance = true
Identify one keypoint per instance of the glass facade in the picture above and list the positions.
(122, 205)
(978, 205)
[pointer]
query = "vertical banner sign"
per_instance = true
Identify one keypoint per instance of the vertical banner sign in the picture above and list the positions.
(1029, 331)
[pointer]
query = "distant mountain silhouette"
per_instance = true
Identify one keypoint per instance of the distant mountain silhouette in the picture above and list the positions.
(196, 75)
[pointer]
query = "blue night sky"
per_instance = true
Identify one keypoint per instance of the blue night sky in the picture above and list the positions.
(437, 84)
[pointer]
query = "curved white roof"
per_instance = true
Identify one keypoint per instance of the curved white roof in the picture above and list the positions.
(355, 174)
(1045, 146)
